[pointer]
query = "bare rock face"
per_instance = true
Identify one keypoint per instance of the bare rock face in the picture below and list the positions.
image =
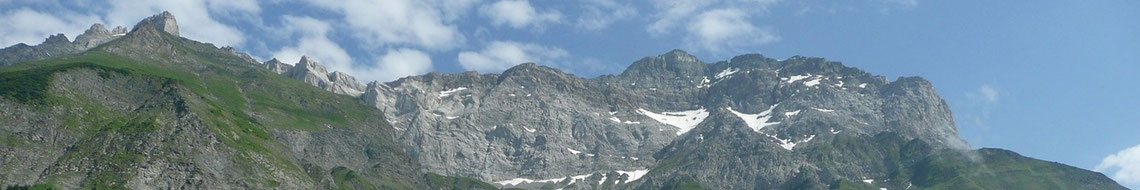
(94, 36)
(164, 22)
(277, 66)
(314, 73)
(534, 123)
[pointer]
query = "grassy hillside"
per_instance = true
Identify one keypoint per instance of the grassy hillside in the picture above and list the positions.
(152, 88)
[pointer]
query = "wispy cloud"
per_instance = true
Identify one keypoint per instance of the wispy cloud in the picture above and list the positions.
(720, 29)
(398, 63)
(392, 23)
(1124, 166)
(500, 55)
(313, 41)
(714, 26)
(599, 14)
(987, 93)
(29, 26)
(518, 14)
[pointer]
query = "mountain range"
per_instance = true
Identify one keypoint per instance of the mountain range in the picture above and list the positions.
(146, 109)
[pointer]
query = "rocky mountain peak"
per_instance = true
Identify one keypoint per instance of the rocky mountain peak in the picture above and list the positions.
(678, 55)
(277, 66)
(96, 29)
(96, 35)
(163, 21)
(311, 65)
(672, 64)
(119, 30)
(56, 39)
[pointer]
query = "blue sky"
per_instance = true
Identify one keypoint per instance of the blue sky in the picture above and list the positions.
(1055, 80)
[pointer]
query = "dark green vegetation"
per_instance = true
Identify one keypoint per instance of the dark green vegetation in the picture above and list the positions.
(30, 187)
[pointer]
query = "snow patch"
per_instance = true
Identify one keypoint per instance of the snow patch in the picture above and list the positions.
(756, 121)
(864, 85)
(572, 151)
(633, 175)
(512, 95)
(833, 131)
(704, 83)
(446, 93)
(793, 79)
(790, 143)
(726, 72)
(868, 181)
(822, 110)
(529, 130)
(451, 117)
(812, 82)
(790, 114)
(683, 120)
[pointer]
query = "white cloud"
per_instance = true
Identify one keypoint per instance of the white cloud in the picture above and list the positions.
(598, 14)
(29, 26)
(501, 55)
(717, 29)
(399, 22)
(986, 93)
(518, 14)
(906, 4)
(1126, 165)
(989, 93)
(194, 18)
(398, 63)
(313, 42)
(714, 26)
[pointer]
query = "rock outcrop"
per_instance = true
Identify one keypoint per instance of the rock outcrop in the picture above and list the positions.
(314, 73)
(164, 22)
(58, 45)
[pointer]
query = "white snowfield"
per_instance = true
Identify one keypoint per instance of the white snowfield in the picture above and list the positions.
(572, 151)
(446, 93)
(793, 79)
(683, 120)
(633, 176)
(789, 144)
(822, 110)
(812, 82)
(757, 121)
(726, 72)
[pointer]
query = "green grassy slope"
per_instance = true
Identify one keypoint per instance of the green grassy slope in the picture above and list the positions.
(240, 102)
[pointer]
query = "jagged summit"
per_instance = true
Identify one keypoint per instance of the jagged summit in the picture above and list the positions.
(312, 72)
(97, 35)
(164, 21)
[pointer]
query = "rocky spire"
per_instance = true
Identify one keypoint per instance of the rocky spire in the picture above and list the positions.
(277, 66)
(163, 21)
(56, 39)
(94, 36)
(119, 30)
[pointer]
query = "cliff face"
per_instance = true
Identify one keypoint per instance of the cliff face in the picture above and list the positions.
(532, 123)
(148, 109)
